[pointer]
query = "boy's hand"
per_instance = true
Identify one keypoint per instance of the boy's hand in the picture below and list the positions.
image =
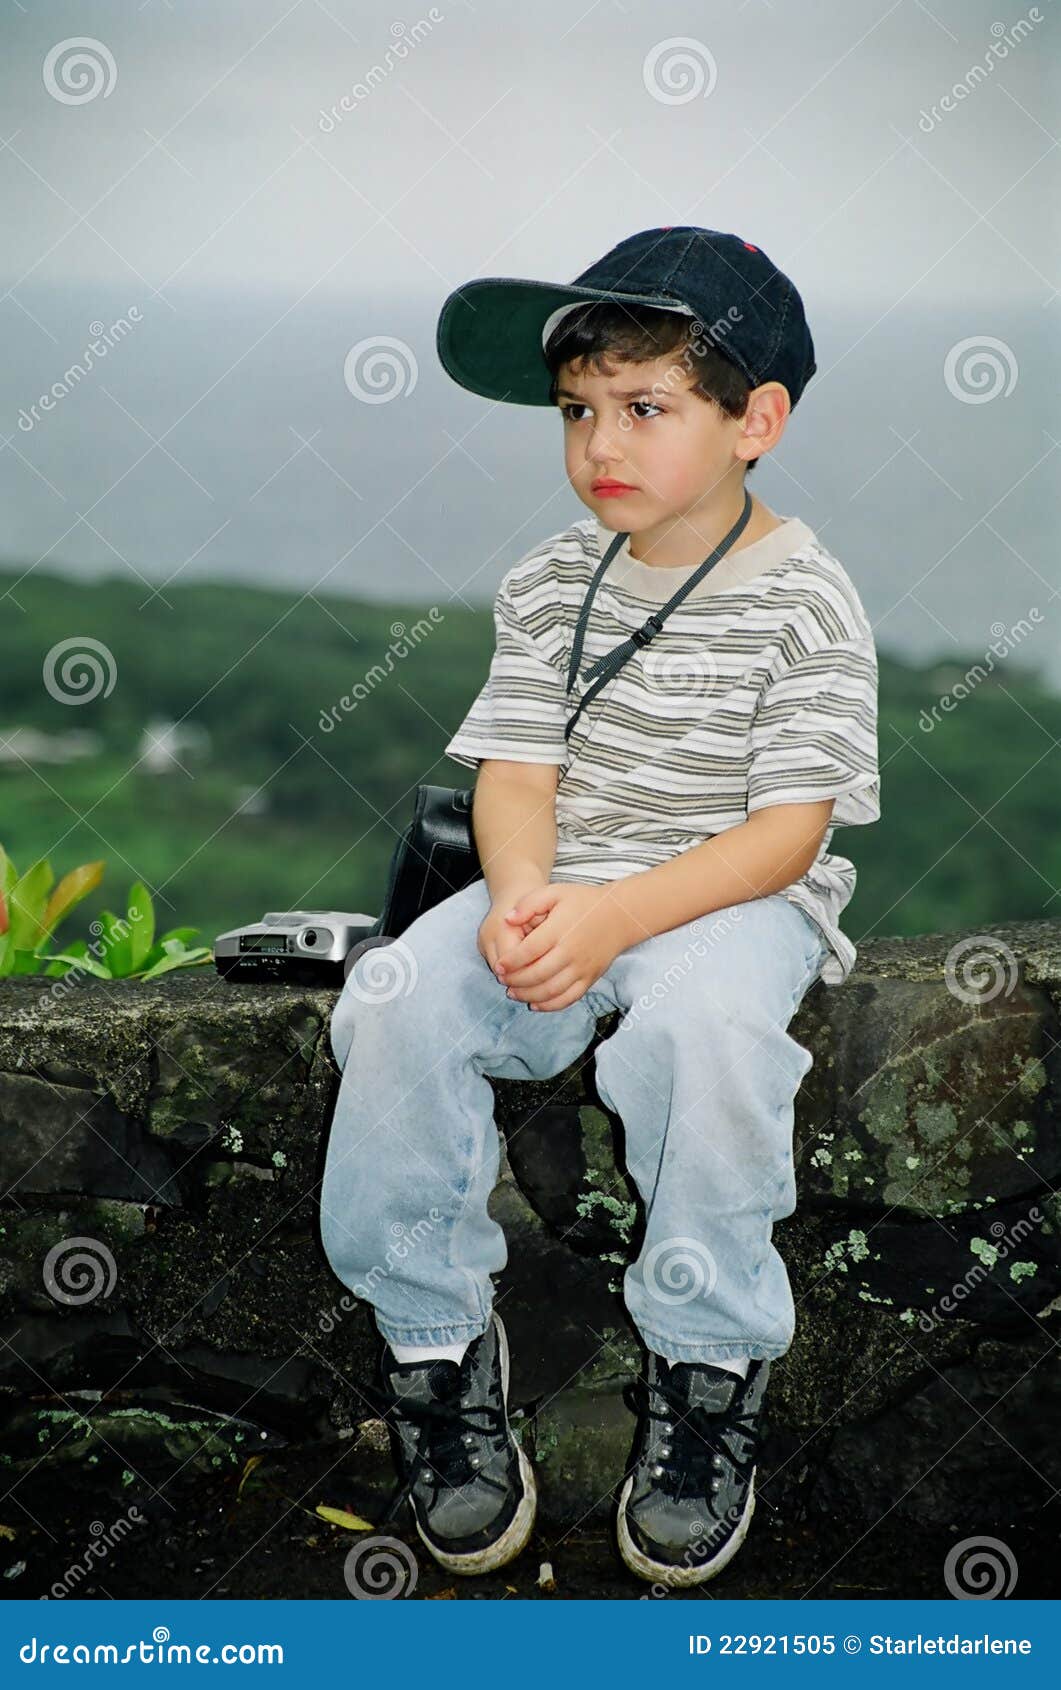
(498, 937)
(576, 933)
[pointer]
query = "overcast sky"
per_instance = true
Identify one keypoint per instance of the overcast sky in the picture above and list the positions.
(524, 139)
(184, 162)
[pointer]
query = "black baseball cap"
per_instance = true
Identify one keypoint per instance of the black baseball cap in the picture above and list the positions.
(492, 331)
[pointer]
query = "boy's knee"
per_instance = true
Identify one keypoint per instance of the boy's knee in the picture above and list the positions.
(719, 973)
(410, 990)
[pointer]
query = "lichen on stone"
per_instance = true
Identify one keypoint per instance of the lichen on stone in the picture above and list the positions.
(1032, 1077)
(622, 1215)
(854, 1245)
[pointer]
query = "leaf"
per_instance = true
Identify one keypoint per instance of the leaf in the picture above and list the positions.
(7, 880)
(142, 924)
(341, 1517)
(167, 946)
(26, 901)
(23, 962)
(252, 1463)
(60, 962)
(8, 873)
(69, 892)
(117, 941)
(180, 959)
(185, 934)
(89, 964)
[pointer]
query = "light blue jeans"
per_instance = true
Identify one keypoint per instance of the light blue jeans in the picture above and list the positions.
(701, 1070)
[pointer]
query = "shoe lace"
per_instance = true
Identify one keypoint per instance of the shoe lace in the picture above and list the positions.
(446, 1428)
(699, 1440)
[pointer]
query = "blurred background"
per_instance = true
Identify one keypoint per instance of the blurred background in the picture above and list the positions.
(236, 485)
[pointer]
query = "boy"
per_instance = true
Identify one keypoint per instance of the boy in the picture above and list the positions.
(666, 855)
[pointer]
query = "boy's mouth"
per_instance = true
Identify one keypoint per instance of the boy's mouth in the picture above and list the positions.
(606, 488)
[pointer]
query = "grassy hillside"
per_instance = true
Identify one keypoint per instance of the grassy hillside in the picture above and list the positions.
(969, 831)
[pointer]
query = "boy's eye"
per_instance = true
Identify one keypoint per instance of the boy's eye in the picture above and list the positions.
(636, 405)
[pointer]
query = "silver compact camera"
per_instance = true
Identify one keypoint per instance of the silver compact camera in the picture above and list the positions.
(296, 947)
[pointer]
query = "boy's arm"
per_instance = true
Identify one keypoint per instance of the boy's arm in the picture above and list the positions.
(815, 730)
(514, 822)
(774, 847)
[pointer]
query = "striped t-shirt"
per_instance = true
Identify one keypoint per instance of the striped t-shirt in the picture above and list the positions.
(760, 689)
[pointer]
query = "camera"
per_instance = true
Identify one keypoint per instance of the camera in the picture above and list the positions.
(293, 947)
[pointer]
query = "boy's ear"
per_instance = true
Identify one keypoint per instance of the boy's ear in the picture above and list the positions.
(764, 419)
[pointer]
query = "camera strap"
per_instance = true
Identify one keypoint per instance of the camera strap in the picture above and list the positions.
(607, 667)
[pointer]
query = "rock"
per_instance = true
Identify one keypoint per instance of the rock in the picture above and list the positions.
(56, 1139)
(173, 1134)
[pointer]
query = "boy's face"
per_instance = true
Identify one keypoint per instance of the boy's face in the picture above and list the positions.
(643, 426)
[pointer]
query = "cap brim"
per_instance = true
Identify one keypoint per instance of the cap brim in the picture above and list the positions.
(489, 334)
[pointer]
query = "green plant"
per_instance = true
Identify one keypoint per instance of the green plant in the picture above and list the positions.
(30, 910)
(126, 948)
(129, 948)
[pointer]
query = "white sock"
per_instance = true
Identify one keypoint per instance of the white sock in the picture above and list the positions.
(428, 1352)
(740, 1365)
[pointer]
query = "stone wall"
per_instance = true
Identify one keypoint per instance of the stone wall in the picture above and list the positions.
(165, 1298)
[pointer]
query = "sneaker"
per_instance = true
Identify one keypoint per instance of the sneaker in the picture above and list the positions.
(689, 1494)
(470, 1485)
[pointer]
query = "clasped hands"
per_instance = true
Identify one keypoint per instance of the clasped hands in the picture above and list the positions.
(550, 946)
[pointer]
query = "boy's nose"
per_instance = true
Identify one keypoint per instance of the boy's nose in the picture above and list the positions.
(601, 449)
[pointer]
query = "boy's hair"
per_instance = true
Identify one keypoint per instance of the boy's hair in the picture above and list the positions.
(639, 333)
